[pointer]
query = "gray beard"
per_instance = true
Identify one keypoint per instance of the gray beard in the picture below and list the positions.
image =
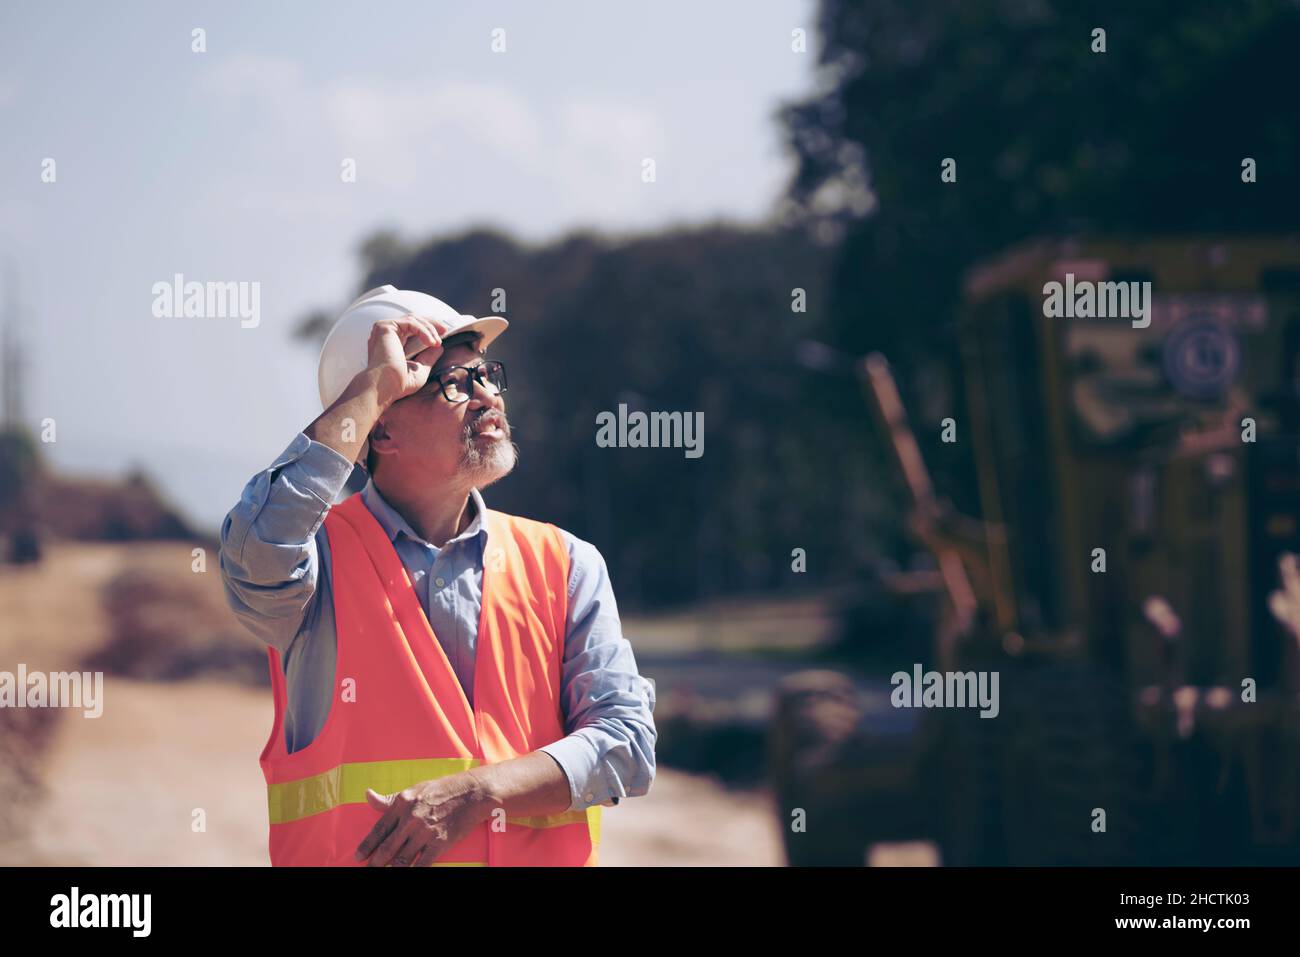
(483, 463)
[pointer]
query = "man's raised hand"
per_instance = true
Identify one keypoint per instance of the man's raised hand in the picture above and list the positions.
(401, 353)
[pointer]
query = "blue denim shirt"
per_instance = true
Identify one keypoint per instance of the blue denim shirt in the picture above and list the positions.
(275, 567)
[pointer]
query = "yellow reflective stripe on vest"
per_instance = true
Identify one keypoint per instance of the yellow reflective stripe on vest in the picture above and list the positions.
(347, 783)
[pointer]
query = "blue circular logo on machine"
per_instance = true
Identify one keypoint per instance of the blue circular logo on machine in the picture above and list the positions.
(1201, 357)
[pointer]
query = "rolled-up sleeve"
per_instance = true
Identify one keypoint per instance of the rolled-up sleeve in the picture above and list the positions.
(608, 749)
(269, 556)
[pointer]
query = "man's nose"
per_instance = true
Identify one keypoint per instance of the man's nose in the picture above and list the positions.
(483, 393)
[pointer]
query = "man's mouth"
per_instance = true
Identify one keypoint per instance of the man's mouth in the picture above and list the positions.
(489, 426)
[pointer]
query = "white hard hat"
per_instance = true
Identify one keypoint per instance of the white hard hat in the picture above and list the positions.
(345, 352)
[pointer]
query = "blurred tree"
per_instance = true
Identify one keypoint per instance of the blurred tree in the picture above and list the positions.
(381, 251)
(20, 472)
(1049, 137)
(20, 465)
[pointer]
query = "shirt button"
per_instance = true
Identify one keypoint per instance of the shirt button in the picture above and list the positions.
(439, 582)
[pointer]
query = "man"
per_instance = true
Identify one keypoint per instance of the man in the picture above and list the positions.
(451, 683)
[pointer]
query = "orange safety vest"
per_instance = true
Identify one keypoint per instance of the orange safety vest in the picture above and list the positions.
(398, 715)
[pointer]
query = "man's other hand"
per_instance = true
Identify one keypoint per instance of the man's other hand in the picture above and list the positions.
(423, 821)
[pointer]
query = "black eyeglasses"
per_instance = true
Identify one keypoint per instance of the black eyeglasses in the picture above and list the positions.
(455, 381)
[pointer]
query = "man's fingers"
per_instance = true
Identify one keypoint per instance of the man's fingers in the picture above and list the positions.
(418, 334)
(388, 849)
(437, 328)
(407, 854)
(434, 334)
(429, 356)
(381, 830)
(1290, 574)
(390, 845)
(430, 854)
(1277, 604)
(440, 324)
(414, 333)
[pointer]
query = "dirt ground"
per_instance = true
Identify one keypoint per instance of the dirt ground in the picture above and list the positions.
(125, 789)
(128, 787)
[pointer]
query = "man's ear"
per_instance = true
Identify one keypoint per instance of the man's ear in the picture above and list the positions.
(380, 440)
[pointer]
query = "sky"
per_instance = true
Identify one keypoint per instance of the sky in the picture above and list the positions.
(226, 166)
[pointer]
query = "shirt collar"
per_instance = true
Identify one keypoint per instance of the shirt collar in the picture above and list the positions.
(394, 524)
